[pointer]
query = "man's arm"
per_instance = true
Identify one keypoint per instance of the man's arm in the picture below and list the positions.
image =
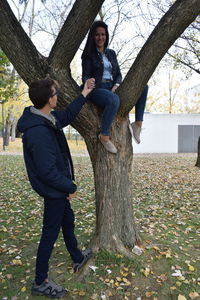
(68, 115)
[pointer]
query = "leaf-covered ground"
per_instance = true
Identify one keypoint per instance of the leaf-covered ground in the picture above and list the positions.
(166, 196)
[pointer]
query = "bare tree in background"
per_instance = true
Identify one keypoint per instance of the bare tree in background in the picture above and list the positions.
(186, 50)
(173, 90)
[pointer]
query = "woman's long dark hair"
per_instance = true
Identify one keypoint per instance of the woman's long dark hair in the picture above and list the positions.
(90, 45)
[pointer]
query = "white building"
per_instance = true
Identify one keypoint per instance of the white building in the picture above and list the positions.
(168, 133)
(194, 91)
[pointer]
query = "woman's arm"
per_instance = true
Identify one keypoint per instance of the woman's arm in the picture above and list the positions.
(118, 75)
(86, 69)
(115, 86)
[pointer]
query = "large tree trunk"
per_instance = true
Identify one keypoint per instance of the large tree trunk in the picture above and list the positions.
(198, 154)
(115, 228)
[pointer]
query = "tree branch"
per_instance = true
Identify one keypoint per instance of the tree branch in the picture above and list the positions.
(170, 27)
(190, 66)
(73, 32)
(12, 35)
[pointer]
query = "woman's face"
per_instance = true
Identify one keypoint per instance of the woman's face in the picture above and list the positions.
(100, 38)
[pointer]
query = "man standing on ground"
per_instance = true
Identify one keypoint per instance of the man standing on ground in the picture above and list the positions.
(50, 171)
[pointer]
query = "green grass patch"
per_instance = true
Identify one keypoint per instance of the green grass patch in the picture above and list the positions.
(166, 194)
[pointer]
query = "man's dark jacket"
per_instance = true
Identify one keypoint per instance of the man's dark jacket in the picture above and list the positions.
(46, 153)
(93, 67)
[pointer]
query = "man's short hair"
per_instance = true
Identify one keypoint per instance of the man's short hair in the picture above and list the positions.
(40, 91)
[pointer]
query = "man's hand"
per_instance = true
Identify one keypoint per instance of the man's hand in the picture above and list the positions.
(71, 196)
(88, 86)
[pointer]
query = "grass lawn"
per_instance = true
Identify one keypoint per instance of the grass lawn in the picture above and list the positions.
(166, 196)
(78, 148)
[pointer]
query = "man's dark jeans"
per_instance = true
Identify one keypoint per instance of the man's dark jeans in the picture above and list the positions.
(57, 214)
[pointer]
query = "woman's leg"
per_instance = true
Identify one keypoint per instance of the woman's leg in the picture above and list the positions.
(109, 102)
(136, 126)
(140, 105)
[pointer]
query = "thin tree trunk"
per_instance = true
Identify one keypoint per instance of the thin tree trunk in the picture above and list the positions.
(8, 129)
(13, 130)
(69, 133)
(30, 27)
(198, 155)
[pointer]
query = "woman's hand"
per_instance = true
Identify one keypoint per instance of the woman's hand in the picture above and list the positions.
(88, 86)
(114, 88)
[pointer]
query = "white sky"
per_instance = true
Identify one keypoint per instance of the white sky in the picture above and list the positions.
(43, 42)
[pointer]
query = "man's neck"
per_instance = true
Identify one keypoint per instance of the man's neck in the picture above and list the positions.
(45, 110)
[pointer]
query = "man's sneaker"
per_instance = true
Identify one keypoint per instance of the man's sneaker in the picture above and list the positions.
(49, 289)
(108, 145)
(87, 254)
(135, 131)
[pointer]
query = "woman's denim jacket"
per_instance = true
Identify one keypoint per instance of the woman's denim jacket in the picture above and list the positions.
(93, 67)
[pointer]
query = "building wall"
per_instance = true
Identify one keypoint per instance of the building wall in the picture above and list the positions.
(160, 132)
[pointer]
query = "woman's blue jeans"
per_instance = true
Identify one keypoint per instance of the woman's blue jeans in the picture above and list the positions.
(140, 105)
(104, 98)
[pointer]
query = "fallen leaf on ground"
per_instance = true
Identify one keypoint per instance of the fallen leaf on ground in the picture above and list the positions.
(193, 295)
(181, 297)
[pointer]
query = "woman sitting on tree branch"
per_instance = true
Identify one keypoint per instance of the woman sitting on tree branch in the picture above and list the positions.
(101, 63)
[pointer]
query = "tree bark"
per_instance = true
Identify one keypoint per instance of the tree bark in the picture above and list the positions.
(76, 25)
(198, 154)
(115, 228)
(22, 53)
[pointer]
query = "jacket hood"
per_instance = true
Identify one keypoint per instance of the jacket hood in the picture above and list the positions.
(29, 120)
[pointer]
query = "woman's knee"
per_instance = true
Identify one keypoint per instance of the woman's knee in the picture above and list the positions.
(117, 99)
(114, 100)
